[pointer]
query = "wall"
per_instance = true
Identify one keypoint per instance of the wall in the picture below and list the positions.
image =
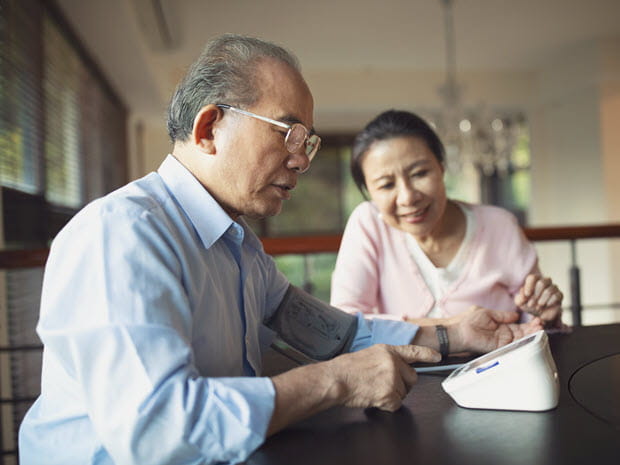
(575, 120)
(149, 143)
(610, 143)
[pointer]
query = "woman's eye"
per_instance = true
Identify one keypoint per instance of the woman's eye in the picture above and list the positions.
(419, 174)
(388, 185)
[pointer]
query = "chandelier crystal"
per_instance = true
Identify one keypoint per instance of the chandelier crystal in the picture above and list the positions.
(480, 136)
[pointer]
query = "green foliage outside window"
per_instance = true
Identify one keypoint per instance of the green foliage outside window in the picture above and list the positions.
(321, 204)
(11, 150)
(312, 272)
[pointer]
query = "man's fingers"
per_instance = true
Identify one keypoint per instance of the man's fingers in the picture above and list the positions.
(411, 353)
(409, 377)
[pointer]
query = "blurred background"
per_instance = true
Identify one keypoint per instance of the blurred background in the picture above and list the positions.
(525, 94)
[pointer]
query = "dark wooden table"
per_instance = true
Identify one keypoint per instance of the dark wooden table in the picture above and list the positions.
(431, 429)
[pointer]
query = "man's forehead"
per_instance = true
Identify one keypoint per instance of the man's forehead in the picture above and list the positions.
(283, 90)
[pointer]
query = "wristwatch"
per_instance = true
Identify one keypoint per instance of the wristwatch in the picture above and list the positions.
(442, 337)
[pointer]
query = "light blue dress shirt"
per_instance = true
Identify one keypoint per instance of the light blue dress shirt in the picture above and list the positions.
(152, 318)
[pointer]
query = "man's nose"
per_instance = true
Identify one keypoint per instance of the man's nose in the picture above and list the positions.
(298, 161)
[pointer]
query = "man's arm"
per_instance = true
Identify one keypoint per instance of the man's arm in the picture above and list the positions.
(379, 376)
(479, 330)
(311, 326)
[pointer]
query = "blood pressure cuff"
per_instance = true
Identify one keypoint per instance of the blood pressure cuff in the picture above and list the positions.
(311, 326)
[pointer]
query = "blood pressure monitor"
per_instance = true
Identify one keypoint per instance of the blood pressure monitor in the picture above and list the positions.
(519, 376)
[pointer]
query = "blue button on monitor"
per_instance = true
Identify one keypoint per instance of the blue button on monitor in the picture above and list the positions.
(481, 369)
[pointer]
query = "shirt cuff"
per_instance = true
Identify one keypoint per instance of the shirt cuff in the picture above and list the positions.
(241, 412)
(380, 331)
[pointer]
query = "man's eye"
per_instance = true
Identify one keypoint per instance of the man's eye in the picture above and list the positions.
(419, 174)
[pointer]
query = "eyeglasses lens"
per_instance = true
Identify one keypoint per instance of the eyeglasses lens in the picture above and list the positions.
(295, 138)
(298, 136)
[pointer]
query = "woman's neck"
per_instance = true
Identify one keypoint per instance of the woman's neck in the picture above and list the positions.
(443, 243)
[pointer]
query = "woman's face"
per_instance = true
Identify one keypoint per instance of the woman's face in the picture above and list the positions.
(405, 181)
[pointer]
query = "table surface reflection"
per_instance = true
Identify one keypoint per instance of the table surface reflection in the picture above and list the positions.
(431, 429)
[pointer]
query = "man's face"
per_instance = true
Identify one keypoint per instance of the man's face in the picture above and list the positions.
(258, 173)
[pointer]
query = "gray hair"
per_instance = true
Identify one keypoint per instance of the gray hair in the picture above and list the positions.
(224, 73)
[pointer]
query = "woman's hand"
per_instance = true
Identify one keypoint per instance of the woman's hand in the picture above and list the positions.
(540, 297)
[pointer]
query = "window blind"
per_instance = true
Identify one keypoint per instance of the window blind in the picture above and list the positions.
(20, 95)
(62, 128)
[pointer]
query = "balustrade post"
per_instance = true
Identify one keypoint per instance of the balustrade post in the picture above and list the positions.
(575, 286)
(307, 285)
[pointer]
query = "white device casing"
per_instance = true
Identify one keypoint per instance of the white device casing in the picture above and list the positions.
(519, 376)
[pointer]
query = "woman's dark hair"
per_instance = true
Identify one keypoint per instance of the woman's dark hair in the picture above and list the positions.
(388, 125)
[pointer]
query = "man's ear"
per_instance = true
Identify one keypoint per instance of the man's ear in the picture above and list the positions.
(202, 132)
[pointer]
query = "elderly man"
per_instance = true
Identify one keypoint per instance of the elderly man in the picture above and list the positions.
(158, 299)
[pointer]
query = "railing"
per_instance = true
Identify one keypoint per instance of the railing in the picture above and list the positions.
(306, 245)
(12, 259)
(330, 243)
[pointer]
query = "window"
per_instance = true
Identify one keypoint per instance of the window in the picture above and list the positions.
(321, 204)
(62, 129)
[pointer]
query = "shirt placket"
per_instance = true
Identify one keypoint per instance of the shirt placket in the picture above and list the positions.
(234, 240)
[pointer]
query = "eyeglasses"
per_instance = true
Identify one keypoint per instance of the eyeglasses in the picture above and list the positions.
(296, 136)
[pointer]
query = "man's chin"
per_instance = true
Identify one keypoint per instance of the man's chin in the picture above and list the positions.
(266, 212)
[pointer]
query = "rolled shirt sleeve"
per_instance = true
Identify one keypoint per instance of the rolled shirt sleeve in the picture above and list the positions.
(378, 331)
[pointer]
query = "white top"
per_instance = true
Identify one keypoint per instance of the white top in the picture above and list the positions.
(439, 279)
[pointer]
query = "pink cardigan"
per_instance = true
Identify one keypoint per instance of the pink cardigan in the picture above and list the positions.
(375, 272)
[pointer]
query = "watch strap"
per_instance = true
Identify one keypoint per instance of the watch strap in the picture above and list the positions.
(442, 337)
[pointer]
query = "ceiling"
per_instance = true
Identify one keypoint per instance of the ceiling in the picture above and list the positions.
(143, 46)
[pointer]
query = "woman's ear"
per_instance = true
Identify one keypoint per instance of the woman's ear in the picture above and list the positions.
(202, 132)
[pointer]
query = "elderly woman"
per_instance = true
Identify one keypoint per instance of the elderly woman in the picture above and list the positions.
(411, 253)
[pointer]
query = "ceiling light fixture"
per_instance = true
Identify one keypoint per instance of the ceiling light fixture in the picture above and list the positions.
(481, 137)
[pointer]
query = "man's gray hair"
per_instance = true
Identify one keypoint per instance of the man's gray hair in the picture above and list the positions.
(224, 73)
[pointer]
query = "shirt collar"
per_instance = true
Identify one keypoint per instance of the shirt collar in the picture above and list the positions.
(203, 211)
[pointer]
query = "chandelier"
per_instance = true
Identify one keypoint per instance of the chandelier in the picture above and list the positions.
(480, 137)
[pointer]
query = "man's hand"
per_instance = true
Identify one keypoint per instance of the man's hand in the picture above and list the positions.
(540, 297)
(379, 376)
(483, 330)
